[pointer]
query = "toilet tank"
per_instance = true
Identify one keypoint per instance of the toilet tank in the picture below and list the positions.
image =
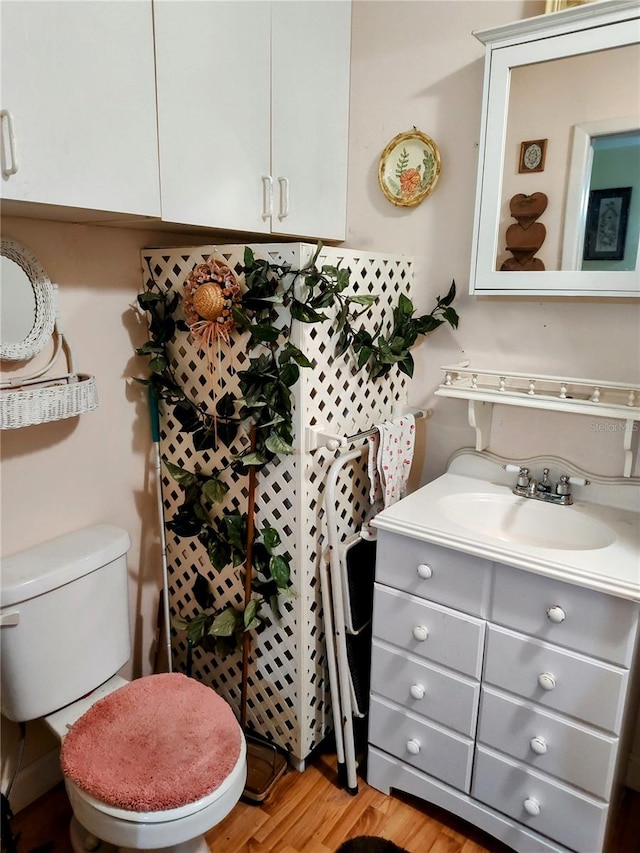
(64, 615)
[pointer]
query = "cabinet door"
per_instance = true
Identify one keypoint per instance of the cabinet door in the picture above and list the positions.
(213, 79)
(78, 83)
(311, 44)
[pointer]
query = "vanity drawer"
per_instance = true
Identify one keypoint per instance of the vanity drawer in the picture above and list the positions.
(446, 697)
(589, 622)
(581, 687)
(448, 577)
(552, 744)
(428, 630)
(426, 746)
(564, 814)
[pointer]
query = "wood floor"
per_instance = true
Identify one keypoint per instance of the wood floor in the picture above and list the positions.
(308, 813)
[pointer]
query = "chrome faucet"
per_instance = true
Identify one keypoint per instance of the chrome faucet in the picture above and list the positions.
(542, 490)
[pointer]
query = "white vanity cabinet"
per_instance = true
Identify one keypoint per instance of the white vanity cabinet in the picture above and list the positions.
(499, 694)
(253, 103)
(78, 109)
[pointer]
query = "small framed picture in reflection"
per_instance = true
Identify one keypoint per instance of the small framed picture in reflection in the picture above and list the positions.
(532, 155)
(606, 228)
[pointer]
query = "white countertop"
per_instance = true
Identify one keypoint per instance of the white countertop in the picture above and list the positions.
(614, 569)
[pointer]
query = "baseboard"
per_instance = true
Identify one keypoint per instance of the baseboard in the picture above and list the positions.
(36, 779)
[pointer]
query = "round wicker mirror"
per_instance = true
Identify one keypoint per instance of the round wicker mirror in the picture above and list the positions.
(28, 303)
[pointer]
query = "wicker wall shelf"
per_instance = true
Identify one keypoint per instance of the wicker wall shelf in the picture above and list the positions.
(47, 401)
(483, 388)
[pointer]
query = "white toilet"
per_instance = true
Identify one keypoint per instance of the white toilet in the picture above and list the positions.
(65, 633)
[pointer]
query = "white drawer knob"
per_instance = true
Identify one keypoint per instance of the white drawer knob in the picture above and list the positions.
(556, 614)
(424, 571)
(531, 806)
(546, 681)
(413, 746)
(420, 633)
(538, 745)
(417, 691)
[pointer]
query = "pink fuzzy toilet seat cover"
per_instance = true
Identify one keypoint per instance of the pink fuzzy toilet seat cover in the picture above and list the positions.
(157, 743)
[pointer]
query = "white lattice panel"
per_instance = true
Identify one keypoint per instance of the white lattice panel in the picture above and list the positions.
(288, 687)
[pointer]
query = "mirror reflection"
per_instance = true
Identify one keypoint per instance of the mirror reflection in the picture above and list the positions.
(593, 188)
(17, 303)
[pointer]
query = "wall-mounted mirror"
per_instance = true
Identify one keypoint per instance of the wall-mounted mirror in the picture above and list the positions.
(561, 120)
(27, 303)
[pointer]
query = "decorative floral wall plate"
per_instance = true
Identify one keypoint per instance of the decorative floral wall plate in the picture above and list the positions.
(409, 168)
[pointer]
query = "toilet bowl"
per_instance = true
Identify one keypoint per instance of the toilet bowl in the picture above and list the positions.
(179, 830)
(151, 764)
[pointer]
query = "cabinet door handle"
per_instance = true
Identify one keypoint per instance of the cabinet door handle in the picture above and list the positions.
(284, 198)
(424, 571)
(531, 806)
(420, 633)
(413, 746)
(538, 745)
(556, 614)
(8, 168)
(267, 196)
(417, 691)
(547, 681)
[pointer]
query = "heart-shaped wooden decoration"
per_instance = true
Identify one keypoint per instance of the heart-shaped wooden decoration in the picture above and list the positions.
(527, 208)
(527, 265)
(525, 239)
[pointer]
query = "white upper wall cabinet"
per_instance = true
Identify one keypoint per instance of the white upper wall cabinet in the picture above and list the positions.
(253, 103)
(311, 48)
(213, 76)
(558, 87)
(78, 108)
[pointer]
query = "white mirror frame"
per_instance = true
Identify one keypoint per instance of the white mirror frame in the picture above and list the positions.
(582, 29)
(579, 181)
(46, 304)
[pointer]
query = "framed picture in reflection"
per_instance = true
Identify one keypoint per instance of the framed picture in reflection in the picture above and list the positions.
(606, 228)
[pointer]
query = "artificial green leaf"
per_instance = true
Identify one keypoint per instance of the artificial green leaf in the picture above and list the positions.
(158, 364)
(271, 538)
(225, 623)
(366, 299)
(180, 475)
(202, 592)
(219, 553)
(236, 529)
(280, 572)
(364, 354)
(289, 374)
(214, 490)
(264, 333)
(248, 256)
(226, 406)
(305, 314)
(451, 295)
(278, 445)
(255, 458)
(406, 366)
(451, 316)
(249, 614)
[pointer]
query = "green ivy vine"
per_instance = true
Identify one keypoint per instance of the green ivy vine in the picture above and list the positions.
(275, 295)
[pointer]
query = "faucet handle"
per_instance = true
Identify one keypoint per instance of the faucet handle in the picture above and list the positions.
(563, 486)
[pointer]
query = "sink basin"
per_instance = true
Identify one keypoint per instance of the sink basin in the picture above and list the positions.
(523, 521)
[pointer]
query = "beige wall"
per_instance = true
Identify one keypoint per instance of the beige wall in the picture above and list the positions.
(416, 63)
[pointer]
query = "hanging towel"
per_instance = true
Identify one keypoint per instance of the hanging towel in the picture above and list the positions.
(395, 454)
(389, 464)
